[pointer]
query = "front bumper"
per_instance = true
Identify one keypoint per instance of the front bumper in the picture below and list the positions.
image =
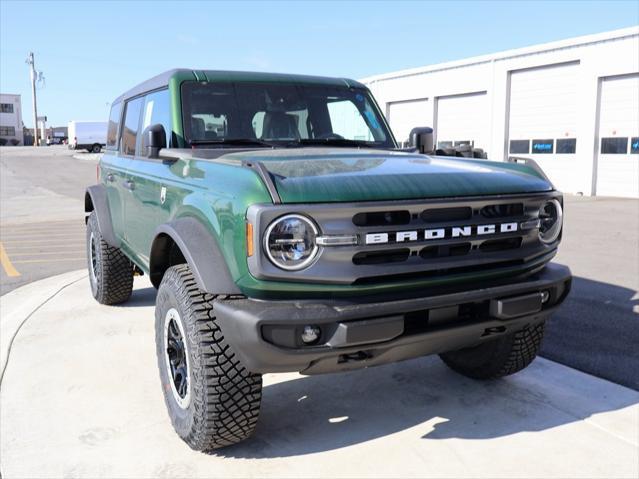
(266, 334)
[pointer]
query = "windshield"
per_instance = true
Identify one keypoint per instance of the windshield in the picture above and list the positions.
(281, 113)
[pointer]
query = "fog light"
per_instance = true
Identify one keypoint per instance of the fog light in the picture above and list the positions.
(545, 296)
(311, 334)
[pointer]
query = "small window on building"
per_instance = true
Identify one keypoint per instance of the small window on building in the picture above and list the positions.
(614, 146)
(112, 128)
(519, 146)
(131, 125)
(542, 147)
(566, 146)
(6, 107)
(634, 145)
(7, 131)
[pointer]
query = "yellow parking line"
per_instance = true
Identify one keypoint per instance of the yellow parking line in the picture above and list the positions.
(6, 263)
(57, 260)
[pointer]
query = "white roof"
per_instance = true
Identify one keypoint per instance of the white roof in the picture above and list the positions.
(539, 48)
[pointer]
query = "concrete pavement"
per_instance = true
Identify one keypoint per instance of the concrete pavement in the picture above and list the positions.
(81, 398)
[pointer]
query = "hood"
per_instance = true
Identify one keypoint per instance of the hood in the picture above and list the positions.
(314, 175)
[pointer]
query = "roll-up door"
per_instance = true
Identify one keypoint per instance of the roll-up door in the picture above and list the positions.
(403, 116)
(542, 122)
(463, 119)
(618, 137)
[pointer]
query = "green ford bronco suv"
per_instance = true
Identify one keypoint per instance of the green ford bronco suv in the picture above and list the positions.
(285, 230)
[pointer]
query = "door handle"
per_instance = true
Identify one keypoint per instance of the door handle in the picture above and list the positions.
(110, 178)
(129, 185)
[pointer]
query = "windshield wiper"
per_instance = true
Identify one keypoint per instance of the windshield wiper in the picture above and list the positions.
(336, 142)
(233, 141)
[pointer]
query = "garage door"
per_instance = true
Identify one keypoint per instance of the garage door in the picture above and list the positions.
(462, 119)
(618, 161)
(403, 116)
(542, 122)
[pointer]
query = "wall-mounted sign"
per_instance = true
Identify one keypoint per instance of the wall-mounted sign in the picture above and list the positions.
(542, 146)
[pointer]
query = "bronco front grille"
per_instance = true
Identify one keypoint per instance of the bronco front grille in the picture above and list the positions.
(412, 239)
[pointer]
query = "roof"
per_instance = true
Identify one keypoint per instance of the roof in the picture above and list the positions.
(183, 74)
(504, 55)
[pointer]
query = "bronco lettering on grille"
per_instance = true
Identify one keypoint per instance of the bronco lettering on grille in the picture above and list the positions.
(440, 233)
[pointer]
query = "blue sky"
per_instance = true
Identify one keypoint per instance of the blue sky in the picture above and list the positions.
(90, 52)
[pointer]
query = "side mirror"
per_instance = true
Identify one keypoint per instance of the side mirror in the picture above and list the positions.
(153, 140)
(421, 138)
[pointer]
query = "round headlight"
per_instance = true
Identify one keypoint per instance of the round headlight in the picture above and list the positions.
(550, 221)
(289, 242)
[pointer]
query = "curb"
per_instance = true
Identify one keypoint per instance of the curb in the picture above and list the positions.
(18, 305)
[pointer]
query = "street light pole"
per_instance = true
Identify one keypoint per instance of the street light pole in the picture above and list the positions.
(34, 77)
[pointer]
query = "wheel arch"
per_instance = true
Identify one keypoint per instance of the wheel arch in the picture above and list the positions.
(95, 200)
(187, 240)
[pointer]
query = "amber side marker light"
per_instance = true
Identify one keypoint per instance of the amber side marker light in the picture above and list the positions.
(249, 239)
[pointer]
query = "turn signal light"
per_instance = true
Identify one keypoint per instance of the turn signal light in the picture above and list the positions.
(249, 239)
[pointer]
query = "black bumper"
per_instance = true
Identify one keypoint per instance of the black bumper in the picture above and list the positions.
(266, 335)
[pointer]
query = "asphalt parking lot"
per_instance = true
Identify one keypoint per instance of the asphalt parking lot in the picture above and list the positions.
(107, 420)
(41, 212)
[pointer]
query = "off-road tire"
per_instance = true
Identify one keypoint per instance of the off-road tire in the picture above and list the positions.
(225, 397)
(111, 278)
(497, 357)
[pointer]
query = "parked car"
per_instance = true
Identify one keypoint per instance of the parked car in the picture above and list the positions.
(286, 231)
(87, 135)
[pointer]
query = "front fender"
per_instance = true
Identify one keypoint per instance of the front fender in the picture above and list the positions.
(200, 250)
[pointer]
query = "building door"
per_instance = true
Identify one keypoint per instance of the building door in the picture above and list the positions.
(462, 119)
(403, 116)
(542, 123)
(618, 137)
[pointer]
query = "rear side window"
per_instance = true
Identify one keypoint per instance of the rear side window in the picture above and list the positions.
(131, 126)
(112, 128)
(157, 109)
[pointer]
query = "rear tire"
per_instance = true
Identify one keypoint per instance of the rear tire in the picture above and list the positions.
(498, 357)
(212, 400)
(110, 271)
(96, 148)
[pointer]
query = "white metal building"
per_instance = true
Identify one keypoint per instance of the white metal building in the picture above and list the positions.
(571, 105)
(11, 119)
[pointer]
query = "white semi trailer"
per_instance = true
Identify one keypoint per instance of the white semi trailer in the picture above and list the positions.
(87, 135)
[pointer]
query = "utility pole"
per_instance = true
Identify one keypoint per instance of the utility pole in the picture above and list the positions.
(34, 77)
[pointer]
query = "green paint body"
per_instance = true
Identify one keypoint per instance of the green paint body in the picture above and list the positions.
(218, 192)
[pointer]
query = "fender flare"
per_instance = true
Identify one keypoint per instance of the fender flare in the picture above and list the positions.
(95, 200)
(200, 250)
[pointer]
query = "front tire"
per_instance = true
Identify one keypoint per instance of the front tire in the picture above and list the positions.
(212, 400)
(498, 357)
(110, 271)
